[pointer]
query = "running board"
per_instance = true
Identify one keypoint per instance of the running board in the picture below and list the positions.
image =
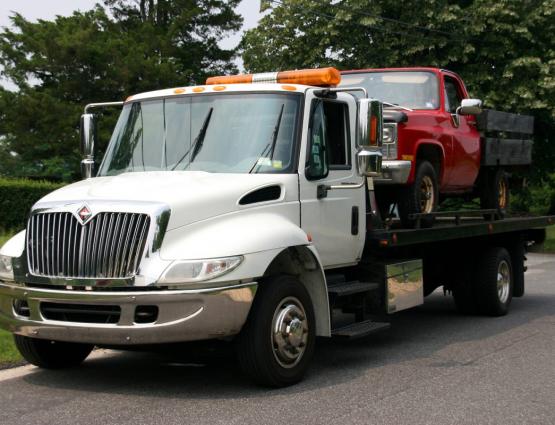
(350, 288)
(359, 329)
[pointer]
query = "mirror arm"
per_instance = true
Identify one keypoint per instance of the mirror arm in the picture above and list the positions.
(326, 92)
(101, 105)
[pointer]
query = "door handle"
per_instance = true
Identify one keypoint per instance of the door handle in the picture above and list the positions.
(322, 189)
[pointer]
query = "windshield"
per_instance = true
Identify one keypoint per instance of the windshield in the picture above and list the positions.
(411, 89)
(224, 133)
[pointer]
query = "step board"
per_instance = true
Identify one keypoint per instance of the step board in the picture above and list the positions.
(350, 288)
(359, 329)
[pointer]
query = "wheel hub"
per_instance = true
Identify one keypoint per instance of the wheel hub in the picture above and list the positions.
(289, 332)
(503, 281)
(426, 195)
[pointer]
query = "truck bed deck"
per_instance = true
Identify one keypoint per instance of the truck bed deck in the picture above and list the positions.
(447, 228)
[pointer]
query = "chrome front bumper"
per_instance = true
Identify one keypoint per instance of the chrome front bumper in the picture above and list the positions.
(183, 315)
(394, 172)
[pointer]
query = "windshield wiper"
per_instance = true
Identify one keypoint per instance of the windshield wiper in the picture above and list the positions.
(272, 145)
(199, 140)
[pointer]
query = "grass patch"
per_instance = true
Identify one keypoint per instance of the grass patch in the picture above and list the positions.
(549, 245)
(8, 353)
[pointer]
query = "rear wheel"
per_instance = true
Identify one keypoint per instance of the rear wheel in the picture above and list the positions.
(420, 197)
(277, 342)
(494, 282)
(495, 191)
(51, 354)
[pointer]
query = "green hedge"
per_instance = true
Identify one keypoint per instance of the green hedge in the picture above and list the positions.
(17, 196)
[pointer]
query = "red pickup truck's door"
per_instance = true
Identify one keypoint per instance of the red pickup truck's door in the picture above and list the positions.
(465, 160)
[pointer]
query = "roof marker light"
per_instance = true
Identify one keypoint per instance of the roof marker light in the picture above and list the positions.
(179, 91)
(310, 77)
(198, 89)
(219, 88)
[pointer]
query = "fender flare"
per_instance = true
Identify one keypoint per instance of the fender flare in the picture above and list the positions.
(417, 146)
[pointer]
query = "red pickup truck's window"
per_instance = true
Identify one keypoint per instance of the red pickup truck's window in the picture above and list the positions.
(452, 96)
(411, 89)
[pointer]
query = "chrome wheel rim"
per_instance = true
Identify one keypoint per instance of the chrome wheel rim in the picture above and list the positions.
(503, 191)
(289, 332)
(503, 281)
(427, 195)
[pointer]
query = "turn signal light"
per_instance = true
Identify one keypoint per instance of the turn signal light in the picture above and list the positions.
(311, 77)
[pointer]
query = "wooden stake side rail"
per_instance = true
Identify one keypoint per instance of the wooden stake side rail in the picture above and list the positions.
(383, 239)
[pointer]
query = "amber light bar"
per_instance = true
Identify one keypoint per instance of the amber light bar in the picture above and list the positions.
(311, 77)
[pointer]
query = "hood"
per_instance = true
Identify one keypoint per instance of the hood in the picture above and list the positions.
(191, 195)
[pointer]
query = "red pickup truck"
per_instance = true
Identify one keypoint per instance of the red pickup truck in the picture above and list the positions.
(438, 142)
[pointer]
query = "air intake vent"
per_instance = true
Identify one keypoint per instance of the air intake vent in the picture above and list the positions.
(82, 313)
(110, 245)
(268, 193)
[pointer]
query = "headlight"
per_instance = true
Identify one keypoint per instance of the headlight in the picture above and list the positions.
(6, 268)
(389, 133)
(199, 270)
(389, 146)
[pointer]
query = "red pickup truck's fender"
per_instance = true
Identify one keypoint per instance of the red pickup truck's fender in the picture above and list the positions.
(430, 150)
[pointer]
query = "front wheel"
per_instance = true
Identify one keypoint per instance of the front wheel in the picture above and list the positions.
(277, 342)
(48, 354)
(420, 197)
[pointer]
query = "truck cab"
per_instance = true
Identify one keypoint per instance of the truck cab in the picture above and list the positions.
(204, 193)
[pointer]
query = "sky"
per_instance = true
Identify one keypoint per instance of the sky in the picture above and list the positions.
(48, 9)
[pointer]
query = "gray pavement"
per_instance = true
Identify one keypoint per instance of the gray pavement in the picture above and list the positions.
(434, 366)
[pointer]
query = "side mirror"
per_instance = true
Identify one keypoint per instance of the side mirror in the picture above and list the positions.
(88, 139)
(470, 107)
(369, 123)
(369, 163)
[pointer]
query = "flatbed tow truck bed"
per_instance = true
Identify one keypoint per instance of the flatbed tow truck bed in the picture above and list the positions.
(453, 229)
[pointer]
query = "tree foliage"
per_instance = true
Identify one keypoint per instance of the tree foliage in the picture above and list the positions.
(105, 54)
(504, 50)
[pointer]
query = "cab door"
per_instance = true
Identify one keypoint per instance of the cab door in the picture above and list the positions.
(465, 160)
(335, 222)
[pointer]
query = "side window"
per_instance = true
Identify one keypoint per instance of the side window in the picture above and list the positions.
(452, 96)
(336, 114)
(329, 139)
(317, 162)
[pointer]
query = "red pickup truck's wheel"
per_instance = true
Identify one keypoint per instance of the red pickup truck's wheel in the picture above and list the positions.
(495, 191)
(421, 197)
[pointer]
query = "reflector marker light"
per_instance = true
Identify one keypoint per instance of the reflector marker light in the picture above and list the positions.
(310, 77)
(374, 130)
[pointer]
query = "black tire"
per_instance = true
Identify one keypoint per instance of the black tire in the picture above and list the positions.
(412, 197)
(48, 354)
(493, 301)
(494, 191)
(518, 256)
(255, 345)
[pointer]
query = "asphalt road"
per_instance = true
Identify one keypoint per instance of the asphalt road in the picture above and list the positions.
(434, 366)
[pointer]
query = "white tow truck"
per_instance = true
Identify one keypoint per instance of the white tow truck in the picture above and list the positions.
(241, 210)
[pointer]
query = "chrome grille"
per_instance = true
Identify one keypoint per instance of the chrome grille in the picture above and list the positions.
(110, 245)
